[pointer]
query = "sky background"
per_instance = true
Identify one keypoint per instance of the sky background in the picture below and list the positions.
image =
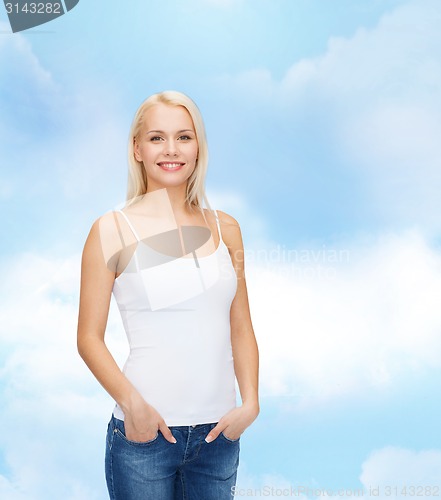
(323, 120)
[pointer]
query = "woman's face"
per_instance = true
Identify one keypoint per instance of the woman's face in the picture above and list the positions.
(167, 146)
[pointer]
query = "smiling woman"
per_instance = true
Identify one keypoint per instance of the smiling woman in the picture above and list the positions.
(186, 109)
(176, 271)
(172, 147)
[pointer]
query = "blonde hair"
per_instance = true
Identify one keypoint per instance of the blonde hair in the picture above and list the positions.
(137, 179)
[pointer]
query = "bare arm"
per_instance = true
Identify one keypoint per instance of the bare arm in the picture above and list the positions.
(141, 420)
(243, 341)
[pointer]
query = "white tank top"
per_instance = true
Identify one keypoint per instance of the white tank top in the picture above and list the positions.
(176, 314)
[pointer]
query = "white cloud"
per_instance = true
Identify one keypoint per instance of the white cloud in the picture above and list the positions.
(398, 472)
(270, 486)
(70, 132)
(26, 88)
(389, 472)
(19, 60)
(377, 96)
(332, 323)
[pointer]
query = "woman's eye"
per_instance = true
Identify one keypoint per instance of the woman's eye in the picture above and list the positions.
(155, 138)
(184, 138)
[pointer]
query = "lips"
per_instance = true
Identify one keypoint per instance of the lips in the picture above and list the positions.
(171, 166)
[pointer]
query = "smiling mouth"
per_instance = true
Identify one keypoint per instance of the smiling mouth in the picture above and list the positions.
(166, 165)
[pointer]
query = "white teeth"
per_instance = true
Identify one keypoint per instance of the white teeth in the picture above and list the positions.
(170, 165)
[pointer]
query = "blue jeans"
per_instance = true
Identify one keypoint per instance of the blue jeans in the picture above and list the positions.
(190, 469)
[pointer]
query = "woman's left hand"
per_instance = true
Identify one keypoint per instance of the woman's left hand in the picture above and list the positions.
(233, 424)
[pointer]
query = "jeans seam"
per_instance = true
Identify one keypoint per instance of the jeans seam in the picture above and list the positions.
(112, 485)
(184, 496)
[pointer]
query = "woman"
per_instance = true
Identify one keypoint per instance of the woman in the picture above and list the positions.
(177, 273)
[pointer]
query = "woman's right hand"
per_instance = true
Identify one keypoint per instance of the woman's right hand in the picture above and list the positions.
(143, 423)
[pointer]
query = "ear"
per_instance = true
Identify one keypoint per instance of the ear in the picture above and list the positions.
(136, 150)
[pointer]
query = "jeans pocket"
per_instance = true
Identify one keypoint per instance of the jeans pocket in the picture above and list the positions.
(229, 439)
(120, 431)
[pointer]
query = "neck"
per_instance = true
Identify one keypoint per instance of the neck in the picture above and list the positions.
(176, 195)
(158, 199)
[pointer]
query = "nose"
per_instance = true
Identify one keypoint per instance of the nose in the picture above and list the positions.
(171, 148)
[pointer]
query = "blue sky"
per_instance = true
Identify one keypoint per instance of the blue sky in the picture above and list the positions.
(323, 119)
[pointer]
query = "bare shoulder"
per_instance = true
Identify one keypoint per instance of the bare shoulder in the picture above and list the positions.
(106, 238)
(227, 219)
(231, 232)
(106, 221)
(103, 229)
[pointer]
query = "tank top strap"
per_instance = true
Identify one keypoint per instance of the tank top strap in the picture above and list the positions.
(218, 226)
(130, 225)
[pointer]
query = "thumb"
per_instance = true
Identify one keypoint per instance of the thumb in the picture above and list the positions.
(213, 434)
(166, 432)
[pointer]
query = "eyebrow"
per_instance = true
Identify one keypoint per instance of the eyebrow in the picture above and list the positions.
(162, 132)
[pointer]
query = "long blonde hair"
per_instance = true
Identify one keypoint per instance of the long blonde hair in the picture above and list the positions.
(137, 179)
